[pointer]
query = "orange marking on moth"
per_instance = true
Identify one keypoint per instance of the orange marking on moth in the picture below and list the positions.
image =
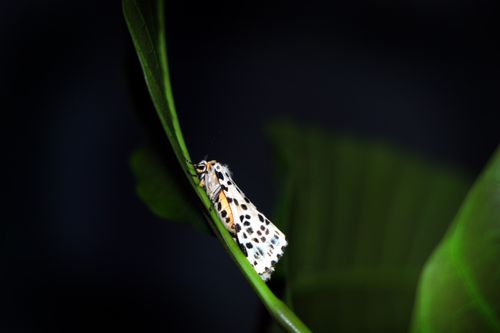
(210, 164)
(225, 206)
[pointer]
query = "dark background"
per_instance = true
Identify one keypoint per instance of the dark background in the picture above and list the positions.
(80, 252)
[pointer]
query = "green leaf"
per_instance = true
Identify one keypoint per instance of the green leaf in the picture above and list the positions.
(146, 26)
(160, 187)
(361, 218)
(459, 290)
(145, 20)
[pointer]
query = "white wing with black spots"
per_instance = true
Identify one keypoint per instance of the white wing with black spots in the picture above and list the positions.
(261, 241)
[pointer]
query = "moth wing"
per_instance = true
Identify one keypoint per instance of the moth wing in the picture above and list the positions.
(261, 241)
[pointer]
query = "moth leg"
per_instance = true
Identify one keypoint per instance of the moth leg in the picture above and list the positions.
(215, 193)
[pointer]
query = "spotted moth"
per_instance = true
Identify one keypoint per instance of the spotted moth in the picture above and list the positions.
(261, 242)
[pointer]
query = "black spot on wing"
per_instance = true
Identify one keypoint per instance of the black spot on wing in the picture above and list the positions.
(243, 249)
(219, 175)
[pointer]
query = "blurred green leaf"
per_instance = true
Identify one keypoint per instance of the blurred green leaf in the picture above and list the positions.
(361, 218)
(459, 289)
(145, 20)
(163, 191)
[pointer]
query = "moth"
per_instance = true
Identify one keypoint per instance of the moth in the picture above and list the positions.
(261, 241)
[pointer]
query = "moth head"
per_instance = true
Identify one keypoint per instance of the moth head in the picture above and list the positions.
(201, 167)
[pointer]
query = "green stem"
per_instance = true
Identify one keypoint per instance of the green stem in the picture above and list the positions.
(153, 55)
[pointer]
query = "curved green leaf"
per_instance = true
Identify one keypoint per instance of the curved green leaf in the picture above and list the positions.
(362, 217)
(459, 289)
(145, 20)
(159, 186)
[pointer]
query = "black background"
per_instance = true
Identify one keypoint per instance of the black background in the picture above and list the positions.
(80, 252)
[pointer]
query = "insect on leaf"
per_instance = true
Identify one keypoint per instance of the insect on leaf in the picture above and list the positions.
(145, 20)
